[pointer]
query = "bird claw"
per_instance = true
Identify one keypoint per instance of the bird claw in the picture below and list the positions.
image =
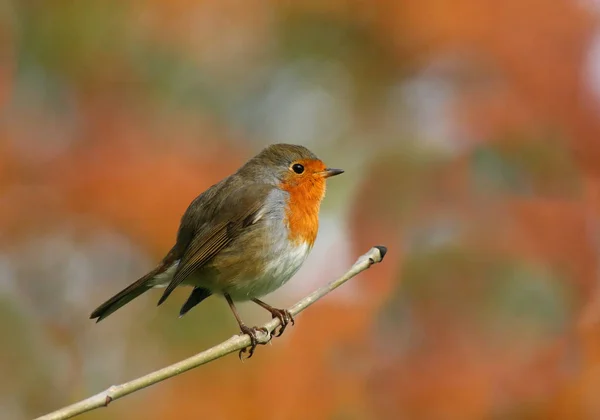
(251, 331)
(285, 317)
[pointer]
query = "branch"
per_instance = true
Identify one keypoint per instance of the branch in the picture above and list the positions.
(235, 343)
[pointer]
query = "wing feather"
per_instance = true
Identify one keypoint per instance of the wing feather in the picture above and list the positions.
(205, 245)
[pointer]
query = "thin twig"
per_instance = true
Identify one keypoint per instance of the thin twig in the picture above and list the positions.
(235, 343)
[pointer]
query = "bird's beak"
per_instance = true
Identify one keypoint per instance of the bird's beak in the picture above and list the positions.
(329, 172)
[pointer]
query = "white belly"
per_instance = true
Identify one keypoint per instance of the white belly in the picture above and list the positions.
(278, 271)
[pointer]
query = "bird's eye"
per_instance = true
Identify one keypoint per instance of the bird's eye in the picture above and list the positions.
(297, 168)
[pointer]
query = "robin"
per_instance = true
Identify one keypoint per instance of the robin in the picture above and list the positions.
(243, 237)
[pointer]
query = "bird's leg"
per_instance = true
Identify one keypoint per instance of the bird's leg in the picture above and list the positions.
(251, 331)
(284, 316)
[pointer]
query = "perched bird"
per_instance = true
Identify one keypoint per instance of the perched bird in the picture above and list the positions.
(243, 237)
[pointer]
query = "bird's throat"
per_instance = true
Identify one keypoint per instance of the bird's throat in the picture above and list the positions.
(302, 210)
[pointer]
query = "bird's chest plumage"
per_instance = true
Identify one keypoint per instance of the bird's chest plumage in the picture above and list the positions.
(293, 235)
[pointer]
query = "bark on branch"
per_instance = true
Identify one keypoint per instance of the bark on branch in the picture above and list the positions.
(235, 343)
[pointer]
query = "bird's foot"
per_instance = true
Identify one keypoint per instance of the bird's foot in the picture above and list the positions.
(284, 316)
(252, 331)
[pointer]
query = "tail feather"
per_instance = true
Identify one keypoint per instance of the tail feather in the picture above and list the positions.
(197, 296)
(126, 295)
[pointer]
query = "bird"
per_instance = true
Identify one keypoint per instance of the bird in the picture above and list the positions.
(243, 237)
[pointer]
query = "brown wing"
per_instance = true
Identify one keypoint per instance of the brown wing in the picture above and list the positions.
(239, 211)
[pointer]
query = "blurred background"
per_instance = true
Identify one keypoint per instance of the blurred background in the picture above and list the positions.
(470, 137)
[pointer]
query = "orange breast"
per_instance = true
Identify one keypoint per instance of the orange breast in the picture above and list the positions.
(302, 211)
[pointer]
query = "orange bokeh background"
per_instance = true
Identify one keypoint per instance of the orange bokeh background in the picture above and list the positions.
(469, 133)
